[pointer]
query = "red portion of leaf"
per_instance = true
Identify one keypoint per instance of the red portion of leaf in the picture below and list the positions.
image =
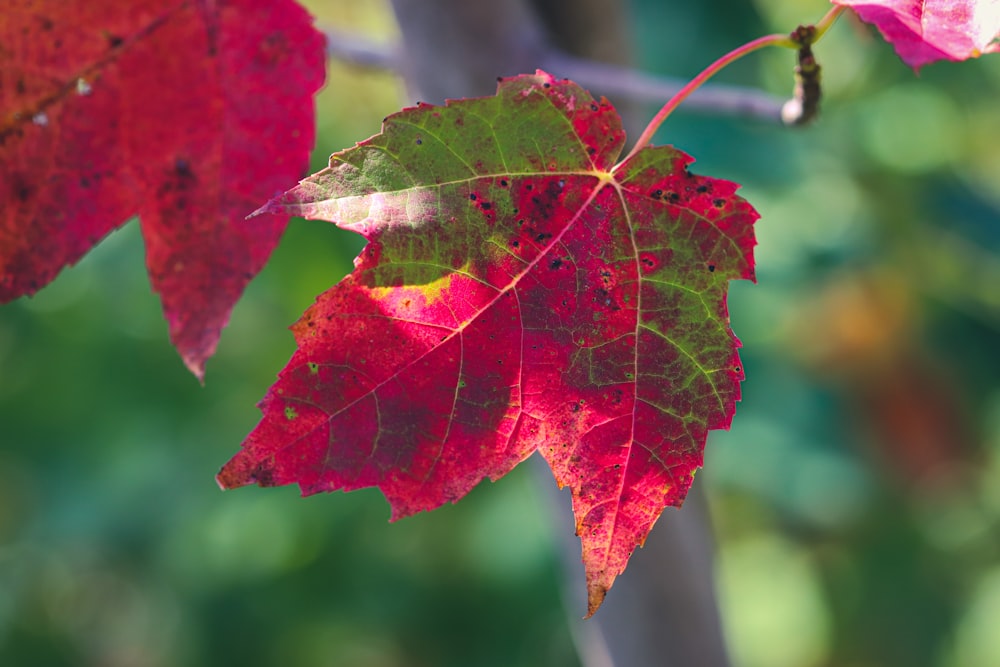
(924, 31)
(184, 112)
(518, 292)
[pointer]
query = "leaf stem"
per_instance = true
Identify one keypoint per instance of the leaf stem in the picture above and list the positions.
(695, 83)
(793, 41)
(828, 20)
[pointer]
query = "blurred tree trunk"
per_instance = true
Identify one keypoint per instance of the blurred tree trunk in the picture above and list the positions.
(662, 611)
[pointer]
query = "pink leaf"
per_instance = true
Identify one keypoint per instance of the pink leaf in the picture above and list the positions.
(519, 292)
(925, 31)
(185, 113)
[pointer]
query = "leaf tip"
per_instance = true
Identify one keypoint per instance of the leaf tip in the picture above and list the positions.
(233, 475)
(266, 208)
(196, 364)
(595, 597)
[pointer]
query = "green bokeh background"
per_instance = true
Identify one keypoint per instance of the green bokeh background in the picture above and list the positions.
(856, 498)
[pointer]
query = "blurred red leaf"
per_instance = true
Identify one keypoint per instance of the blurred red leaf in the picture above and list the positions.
(519, 292)
(924, 31)
(185, 112)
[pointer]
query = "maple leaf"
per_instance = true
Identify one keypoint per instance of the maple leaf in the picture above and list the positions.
(924, 31)
(187, 113)
(519, 292)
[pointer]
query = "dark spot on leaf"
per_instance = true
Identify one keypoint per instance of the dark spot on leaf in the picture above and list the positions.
(591, 150)
(503, 183)
(719, 203)
(529, 186)
(542, 237)
(702, 189)
(515, 243)
(617, 466)
(546, 85)
(674, 197)
(657, 194)
(22, 188)
(711, 268)
(114, 41)
(419, 141)
(555, 264)
(593, 106)
(487, 206)
(473, 196)
(263, 476)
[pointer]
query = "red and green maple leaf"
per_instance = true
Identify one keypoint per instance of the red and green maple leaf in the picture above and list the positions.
(925, 31)
(187, 113)
(519, 292)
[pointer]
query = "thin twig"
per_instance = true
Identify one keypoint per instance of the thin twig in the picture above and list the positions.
(615, 80)
(601, 78)
(360, 51)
